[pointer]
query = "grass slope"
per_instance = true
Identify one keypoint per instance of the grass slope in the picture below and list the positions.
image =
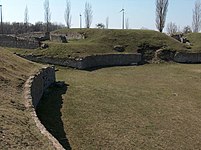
(195, 40)
(17, 128)
(144, 107)
(100, 41)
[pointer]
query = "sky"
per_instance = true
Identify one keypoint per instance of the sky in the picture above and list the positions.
(140, 13)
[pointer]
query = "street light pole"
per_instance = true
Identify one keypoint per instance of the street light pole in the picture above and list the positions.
(1, 20)
(80, 21)
(123, 19)
(123, 16)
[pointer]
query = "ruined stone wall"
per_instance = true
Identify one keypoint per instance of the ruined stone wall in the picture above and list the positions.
(15, 42)
(109, 60)
(90, 61)
(31, 35)
(77, 36)
(187, 57)
(113, 59)
(58, 38)
(33, 91)
(41, 81)
(68, 36)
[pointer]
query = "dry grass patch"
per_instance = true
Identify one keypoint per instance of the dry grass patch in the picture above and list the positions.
(17, 128)
(143, 107)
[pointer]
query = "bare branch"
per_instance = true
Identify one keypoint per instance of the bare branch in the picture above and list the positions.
(107, 23)
(196, 25)
(172, 28)
(47, 14)
(187, 29)
(88, 15)
(26, 16)
(67, 15)
(127, 23)
(161, 13)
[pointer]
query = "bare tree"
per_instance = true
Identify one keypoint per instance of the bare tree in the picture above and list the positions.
(127, 23)
(100, 26)
(67, 15)
(196, 25)
(19, 27)
(187, 29)
(47, 14)
(107, 23)
(161, 13)
(172, 28)
(26, 18)
(88, 15)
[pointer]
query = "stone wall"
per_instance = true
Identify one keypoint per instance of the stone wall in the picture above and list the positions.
(75, 35)
(58, 38)
(41, 81)
(15, 42)
(32, 35)
(187, 57)
(33, 91)
(68, 36)
(90, 61)
(114, 59)
(109, 60)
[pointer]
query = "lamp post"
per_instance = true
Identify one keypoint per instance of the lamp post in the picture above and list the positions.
(1, 20)
(80, 21)
(123, 16)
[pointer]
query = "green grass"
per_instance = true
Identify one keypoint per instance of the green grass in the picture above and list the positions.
(142, 107)
(100, 41)
(17, 128)
(195, 39)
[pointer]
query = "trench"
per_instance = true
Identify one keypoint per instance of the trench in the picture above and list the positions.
(49, 113)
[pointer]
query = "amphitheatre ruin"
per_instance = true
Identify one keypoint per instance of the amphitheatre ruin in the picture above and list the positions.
(128, 69)
(98, 88)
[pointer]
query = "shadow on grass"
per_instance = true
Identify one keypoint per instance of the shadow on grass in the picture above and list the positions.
(101, 67)
(49, 113)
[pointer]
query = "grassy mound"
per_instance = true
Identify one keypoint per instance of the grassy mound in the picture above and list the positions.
(194, 39)
(98, 41)
(17, 128)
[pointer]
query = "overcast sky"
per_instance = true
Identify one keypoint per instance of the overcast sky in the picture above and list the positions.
(141, 13)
